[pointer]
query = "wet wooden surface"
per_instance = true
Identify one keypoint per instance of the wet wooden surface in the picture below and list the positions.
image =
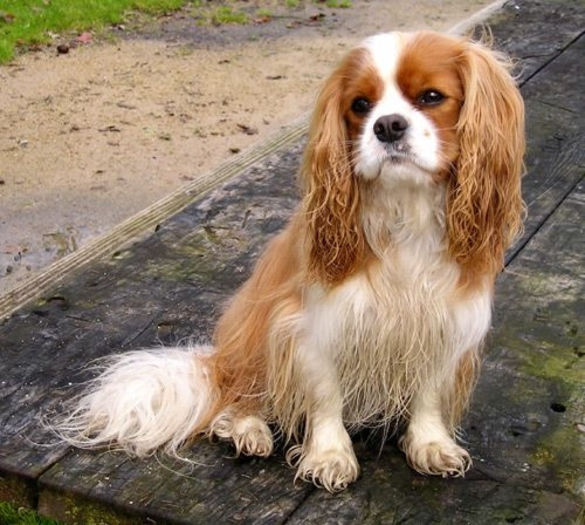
(525, 428)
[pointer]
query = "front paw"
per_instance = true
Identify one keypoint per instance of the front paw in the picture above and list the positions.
(332, 469)
(441, 457)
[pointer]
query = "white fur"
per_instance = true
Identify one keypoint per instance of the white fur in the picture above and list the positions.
(142, 401)
(385, 50)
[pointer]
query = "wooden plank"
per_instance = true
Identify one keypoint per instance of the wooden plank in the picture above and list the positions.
(218, 488)
(556, 138)
(170, 286)
(388, 492)
(536, 361)
(535, 32)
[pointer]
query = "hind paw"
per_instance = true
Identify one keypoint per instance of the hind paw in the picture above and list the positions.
(250, 434)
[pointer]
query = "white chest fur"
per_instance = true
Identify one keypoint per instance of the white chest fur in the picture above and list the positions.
(399, 323)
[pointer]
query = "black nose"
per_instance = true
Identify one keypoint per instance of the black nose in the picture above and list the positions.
(390, 128)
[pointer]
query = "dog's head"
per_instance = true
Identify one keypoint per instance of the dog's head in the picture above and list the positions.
(428, 108)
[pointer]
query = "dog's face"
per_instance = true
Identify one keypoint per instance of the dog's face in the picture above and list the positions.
(430, 109)
(403, 105)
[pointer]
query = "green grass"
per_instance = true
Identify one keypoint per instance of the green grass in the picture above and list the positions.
(339, 3)
(28, 22)
(10, 515)
(263, 12)
(227, 15)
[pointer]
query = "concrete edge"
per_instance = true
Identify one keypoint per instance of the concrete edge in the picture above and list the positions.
(146, 220)
(464, 26)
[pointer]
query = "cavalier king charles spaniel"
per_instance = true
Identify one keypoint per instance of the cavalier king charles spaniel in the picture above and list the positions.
(371, 307)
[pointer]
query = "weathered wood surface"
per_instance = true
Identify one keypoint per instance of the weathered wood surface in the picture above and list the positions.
(535, 32)
(529, 458)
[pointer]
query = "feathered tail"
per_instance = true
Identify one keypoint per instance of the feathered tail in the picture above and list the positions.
(141, 402)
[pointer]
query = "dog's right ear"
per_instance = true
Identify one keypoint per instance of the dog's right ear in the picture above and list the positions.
(331, 200)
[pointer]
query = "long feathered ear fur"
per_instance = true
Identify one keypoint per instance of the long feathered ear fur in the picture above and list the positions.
(331, 201)
(484, 202)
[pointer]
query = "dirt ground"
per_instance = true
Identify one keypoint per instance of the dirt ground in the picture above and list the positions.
(91, 137)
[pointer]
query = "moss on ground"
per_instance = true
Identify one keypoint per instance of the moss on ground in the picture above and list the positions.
(10, 515)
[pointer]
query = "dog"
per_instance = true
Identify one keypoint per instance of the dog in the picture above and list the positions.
(372, 305)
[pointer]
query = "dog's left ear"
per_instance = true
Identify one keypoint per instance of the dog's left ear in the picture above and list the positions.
(335, 240)
(484, 201)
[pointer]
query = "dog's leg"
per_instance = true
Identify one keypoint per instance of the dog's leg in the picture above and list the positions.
(326, 457)
(435, 411)
(429, 446)
(250, 433)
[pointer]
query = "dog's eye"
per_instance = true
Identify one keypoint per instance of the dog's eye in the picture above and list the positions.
(361, 106)
(431, 97)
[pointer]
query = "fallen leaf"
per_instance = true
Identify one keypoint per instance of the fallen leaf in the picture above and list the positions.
(125, 105)
(12, 249)
(7, 18)
(248, 130)
(110, 129)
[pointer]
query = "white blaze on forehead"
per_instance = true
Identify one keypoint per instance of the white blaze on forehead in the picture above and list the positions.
(385, 50)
